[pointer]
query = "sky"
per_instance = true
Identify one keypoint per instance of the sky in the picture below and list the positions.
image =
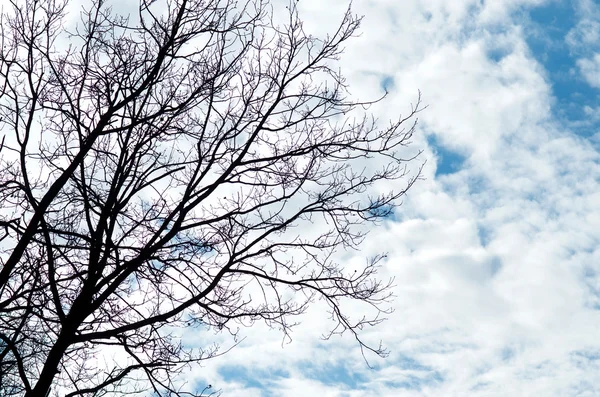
(495, 253)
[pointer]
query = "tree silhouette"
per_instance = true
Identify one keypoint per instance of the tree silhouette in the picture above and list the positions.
(194, 163)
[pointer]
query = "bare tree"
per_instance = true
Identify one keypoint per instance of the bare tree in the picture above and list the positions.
(156, 169)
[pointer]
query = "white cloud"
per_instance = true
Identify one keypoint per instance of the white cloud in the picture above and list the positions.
(590, 69)
(584, 38)
(586, 32)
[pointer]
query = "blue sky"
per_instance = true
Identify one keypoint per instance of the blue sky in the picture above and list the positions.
(495, 254)
(552, 28)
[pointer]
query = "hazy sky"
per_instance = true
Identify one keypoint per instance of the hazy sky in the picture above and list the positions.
(495, 255)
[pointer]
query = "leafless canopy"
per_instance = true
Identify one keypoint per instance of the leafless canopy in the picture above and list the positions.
(161, 168)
